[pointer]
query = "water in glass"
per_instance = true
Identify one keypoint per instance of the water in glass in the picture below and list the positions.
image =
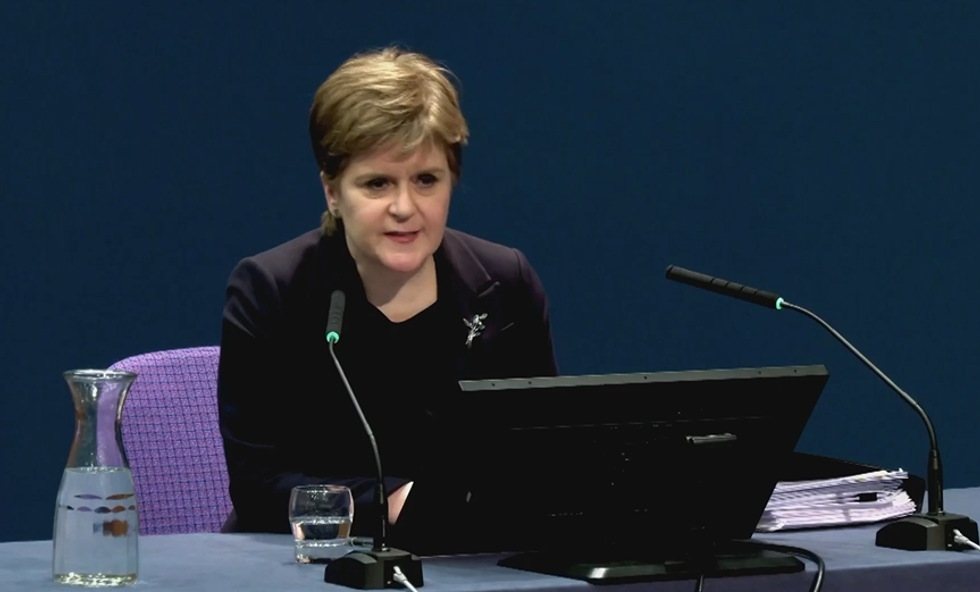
(321, 518)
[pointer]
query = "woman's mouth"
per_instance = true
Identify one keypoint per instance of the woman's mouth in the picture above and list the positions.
(402, 237)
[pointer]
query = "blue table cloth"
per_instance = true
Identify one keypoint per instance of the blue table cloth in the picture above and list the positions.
(264, 563)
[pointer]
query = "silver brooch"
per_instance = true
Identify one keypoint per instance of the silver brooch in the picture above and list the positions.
(476, 326)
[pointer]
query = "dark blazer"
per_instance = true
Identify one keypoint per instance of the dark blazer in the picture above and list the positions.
(284, 415)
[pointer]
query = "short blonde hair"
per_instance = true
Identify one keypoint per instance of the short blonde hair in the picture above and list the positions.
(382, 98)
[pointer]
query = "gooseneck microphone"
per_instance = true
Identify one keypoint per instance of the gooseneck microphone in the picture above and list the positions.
(375, 569)
(933, 530)
(335, 320)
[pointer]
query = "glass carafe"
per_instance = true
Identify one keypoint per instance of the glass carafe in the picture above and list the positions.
(96, 526)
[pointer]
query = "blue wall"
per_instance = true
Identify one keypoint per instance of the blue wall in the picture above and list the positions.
(828, 152)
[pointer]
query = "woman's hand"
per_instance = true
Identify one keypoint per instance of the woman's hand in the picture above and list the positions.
(396, 501)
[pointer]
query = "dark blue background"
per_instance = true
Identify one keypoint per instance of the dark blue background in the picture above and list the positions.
(826, 151)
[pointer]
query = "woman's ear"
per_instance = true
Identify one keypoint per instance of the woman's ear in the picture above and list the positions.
(333, 200)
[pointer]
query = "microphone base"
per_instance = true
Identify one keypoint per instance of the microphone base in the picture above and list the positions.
(374, 569)
(926, 532)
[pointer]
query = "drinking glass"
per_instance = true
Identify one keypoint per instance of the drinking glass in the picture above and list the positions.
(321, 517)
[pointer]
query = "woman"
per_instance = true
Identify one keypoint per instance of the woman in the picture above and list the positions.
(427, 306)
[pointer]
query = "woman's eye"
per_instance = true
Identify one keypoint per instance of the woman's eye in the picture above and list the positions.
(427, 179)
(377, 184)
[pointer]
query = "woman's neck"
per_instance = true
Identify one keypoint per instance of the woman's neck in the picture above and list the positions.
(400, 296)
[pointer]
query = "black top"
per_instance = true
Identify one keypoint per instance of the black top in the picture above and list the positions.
(285, 416)
(399, 372)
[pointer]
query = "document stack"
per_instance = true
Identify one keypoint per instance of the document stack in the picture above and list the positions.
(857, 499)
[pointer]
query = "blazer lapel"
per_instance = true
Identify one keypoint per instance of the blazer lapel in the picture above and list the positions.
(481, 311)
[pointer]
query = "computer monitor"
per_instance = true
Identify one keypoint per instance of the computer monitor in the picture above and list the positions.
(631, 476)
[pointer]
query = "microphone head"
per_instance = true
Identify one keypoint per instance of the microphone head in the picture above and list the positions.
(335, 316)
(724, 287)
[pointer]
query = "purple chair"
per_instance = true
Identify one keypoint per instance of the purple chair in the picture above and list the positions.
(170, 432)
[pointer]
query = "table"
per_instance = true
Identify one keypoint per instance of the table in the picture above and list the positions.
(263, 563)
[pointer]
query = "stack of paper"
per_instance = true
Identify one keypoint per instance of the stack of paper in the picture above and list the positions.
(857, 499)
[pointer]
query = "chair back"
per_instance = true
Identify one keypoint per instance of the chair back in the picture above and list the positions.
(173, 443)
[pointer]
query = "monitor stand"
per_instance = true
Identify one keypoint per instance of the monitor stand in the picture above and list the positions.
(624, 566)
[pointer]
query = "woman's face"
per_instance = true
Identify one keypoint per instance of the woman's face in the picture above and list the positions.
(394, 206)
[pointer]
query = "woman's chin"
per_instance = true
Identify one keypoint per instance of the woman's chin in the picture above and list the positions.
(403, 262)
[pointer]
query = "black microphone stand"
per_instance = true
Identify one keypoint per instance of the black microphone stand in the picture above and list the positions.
(375, 569)
(933, 530)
